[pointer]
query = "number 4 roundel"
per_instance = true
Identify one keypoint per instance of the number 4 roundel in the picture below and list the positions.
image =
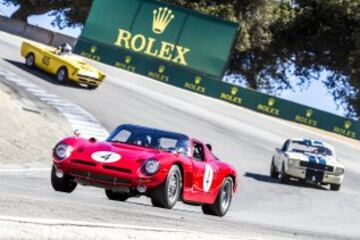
(208, 177)
(106, 157)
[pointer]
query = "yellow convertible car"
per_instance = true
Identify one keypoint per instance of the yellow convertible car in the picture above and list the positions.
(62, 63)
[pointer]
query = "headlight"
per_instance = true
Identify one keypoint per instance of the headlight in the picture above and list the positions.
(62, 151)
(151, 166)
(339, 170)
(291, 162)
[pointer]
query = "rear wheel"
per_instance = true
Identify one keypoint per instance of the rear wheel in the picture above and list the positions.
(168, 193)
(62, 182)
(117, 196)
(335, 187)
(223, 200)
(284, 178)
(30, 60)
(273, 173)
(62, 75)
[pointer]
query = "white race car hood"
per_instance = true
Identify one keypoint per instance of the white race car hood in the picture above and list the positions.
(308, 157)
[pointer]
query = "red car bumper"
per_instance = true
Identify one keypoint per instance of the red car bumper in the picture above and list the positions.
(109, 176)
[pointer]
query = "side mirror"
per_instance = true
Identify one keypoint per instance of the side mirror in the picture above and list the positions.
(181, 151)
(77, 133)
(92, 140)
(209, 147)
(278, 150)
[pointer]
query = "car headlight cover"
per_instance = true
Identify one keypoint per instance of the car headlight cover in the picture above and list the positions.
(339, 170)
(62, 151)
(151, 166)
(291, 162)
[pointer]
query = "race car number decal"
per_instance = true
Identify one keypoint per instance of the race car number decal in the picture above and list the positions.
(106, 157)
(208, 177)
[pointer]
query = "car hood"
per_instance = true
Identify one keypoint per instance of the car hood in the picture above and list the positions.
(131, 157)
(307, 157)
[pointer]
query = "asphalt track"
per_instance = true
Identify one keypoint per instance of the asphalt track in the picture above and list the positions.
(262, 208)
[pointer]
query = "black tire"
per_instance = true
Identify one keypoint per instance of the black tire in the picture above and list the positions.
(335, 187)
(284, 178)
(91, 87)
(117, 196)
(30, 60)
(273, 173)
(64, 184)
(223, 200)
(62, 75)
(168, 193)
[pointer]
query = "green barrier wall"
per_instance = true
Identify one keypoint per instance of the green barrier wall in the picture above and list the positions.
(206, 63)
(130, 33)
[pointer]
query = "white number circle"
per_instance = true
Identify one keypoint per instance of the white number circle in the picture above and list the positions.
(208, 178)
(105, 157)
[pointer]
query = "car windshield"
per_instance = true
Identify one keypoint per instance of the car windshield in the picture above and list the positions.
(151, 138)
(306, 147)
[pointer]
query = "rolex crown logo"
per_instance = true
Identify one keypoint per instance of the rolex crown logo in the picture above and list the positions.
(271, 102)
(198, 80)
(347, 124)
(234, 91)
(93, 49)
(128, 59)
(309, 113)
(162, 18)
(162, 69)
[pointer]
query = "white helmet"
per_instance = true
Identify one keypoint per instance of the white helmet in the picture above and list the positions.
(65, 48)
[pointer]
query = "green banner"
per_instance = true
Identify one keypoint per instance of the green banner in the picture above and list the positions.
(147, 30)
(166, 43)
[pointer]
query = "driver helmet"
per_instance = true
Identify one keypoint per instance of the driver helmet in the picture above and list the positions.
(65, 48)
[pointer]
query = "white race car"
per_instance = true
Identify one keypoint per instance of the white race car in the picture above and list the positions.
(312, 161)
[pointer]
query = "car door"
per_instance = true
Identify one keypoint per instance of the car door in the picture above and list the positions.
(205, 171)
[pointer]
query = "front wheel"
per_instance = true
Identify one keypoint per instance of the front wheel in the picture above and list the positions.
(273, 173)
(284, 178)
(30, 60)
(117, 196)
(62, 182)
(62, 75)
(335, 187)
(168, 193)
(223, 200)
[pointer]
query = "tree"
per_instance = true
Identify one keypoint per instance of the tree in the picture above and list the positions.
(68, 13)
(281, 43)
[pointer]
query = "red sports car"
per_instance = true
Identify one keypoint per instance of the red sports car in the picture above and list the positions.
(135, 160)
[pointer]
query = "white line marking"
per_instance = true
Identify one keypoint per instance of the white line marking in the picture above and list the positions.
(57, 222)
(24, 170)
(89, 125)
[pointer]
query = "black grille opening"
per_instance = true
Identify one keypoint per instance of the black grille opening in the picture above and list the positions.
(317, 166)
(99, 177)
(117, 169)
(82, 162)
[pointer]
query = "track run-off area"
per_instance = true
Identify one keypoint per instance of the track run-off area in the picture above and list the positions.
(261, 209)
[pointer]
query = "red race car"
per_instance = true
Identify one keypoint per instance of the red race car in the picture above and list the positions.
(135, 160)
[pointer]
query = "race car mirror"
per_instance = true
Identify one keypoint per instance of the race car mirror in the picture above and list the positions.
(181, 151)
(209, 147)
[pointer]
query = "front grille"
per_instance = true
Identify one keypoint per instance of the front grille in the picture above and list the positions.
(82, 162)
(124, 170)
(90, 78)
(317, 166)
(99, 177)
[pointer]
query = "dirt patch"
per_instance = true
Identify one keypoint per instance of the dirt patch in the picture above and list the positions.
(29, 129)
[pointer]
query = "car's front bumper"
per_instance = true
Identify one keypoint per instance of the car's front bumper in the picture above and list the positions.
(87, 80)
(313, 175)
(107, 176)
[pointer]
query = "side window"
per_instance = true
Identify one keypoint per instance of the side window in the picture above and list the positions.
(198, 153)
(286, 146)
